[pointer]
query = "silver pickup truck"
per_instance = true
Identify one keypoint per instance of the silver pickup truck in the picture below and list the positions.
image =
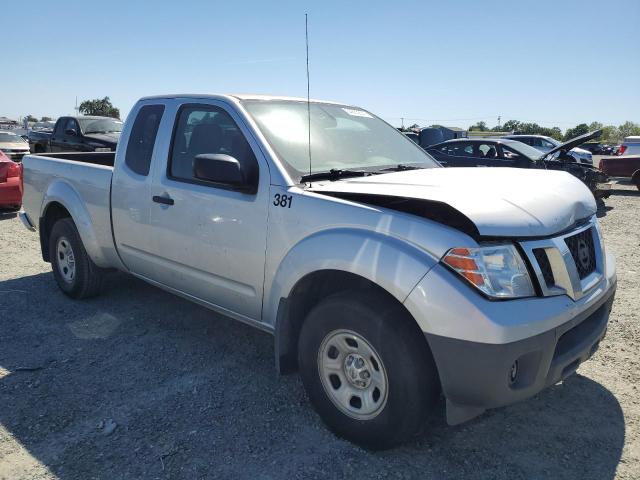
(385, 279)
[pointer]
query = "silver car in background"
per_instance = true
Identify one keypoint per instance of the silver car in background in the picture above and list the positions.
(630, 146)
(13, 146)
(544, 144)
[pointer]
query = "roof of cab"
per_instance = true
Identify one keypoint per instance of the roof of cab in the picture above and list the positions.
(239, 96)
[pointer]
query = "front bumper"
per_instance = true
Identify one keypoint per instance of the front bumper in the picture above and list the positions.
(603, 189)
(478, 343)
(478, 376)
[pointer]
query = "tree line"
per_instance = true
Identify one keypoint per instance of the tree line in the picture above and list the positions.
(100, 106)
(610, 133)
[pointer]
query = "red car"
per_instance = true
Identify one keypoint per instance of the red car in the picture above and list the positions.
(10, 183)
(625, 166)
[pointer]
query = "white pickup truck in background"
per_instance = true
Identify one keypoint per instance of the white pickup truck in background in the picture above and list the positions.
(385, 279)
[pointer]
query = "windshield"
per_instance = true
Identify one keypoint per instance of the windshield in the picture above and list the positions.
(342, 138)
(526, 150)
(43, 126)
(7, 137)
(100, 125)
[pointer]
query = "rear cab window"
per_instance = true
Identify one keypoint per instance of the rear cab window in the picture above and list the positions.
(143, 138)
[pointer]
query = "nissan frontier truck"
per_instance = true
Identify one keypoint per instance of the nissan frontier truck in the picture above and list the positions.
(385, 279)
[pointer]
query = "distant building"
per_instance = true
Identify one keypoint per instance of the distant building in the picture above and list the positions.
(432, 135)
(487, 134)
(450, 133)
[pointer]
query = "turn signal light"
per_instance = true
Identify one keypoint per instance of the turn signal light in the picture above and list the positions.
(496, 270)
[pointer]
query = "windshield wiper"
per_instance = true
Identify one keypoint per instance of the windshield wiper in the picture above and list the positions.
(334, 174)
(401, 167)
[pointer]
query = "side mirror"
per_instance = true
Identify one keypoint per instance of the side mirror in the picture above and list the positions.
(70, 131)
(221, 169)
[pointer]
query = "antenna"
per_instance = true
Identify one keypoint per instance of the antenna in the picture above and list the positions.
(306, 36)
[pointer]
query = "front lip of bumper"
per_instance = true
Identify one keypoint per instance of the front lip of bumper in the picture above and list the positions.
(26, 221)
(475, 376)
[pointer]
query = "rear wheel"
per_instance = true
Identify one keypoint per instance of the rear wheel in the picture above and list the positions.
(367, 369)
(75, 273)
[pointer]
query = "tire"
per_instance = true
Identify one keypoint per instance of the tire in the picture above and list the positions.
(75, 273)
(398, 361)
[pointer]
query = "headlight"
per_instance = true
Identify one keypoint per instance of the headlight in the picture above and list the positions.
(496, 270)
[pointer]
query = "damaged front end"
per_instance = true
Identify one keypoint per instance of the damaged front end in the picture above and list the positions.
(598, 182)
(439, 212)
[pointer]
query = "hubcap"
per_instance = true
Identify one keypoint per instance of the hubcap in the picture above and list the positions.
(66, 260)
(352, 374)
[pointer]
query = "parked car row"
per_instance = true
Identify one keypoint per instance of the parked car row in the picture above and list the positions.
(511, 152)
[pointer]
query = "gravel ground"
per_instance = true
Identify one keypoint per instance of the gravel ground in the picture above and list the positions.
(141, 384)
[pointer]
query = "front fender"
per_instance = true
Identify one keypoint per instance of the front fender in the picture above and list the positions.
(63, 193)
(391, 263)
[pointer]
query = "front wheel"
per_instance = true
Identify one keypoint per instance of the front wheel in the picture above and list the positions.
(367, 369)
(74, 272)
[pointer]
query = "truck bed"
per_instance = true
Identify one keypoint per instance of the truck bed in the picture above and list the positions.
(620, 166)
(83, 177)
(106, 159)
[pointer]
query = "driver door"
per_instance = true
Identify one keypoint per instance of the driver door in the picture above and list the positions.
(209, 240)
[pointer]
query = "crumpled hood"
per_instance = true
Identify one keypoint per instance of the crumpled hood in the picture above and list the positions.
(501, 202)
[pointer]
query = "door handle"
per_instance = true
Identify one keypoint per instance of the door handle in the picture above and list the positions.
(163, 200)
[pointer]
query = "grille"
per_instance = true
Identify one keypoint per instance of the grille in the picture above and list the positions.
(583, 252)
(545, 266)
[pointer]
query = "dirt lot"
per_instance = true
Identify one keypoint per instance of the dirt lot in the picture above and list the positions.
(141, 384)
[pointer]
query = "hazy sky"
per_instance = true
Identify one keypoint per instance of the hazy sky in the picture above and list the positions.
(455, 63)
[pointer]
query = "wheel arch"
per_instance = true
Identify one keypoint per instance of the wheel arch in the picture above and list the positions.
(307, 293)
(60, 201)
(332, 260)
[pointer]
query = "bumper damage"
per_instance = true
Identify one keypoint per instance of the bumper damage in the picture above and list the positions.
(479, 376)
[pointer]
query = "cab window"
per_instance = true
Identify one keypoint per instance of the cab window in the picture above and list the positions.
(510, 154)
(457, 149)
(487, 150)
(143, 138)
(206, 129)
(71, 125)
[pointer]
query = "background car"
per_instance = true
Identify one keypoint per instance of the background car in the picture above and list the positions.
(545, 144)
(630, 146)
(85, 134)
(10, 183)
(627, 166)
(503, 152)
(597, 148)
(12, 145)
